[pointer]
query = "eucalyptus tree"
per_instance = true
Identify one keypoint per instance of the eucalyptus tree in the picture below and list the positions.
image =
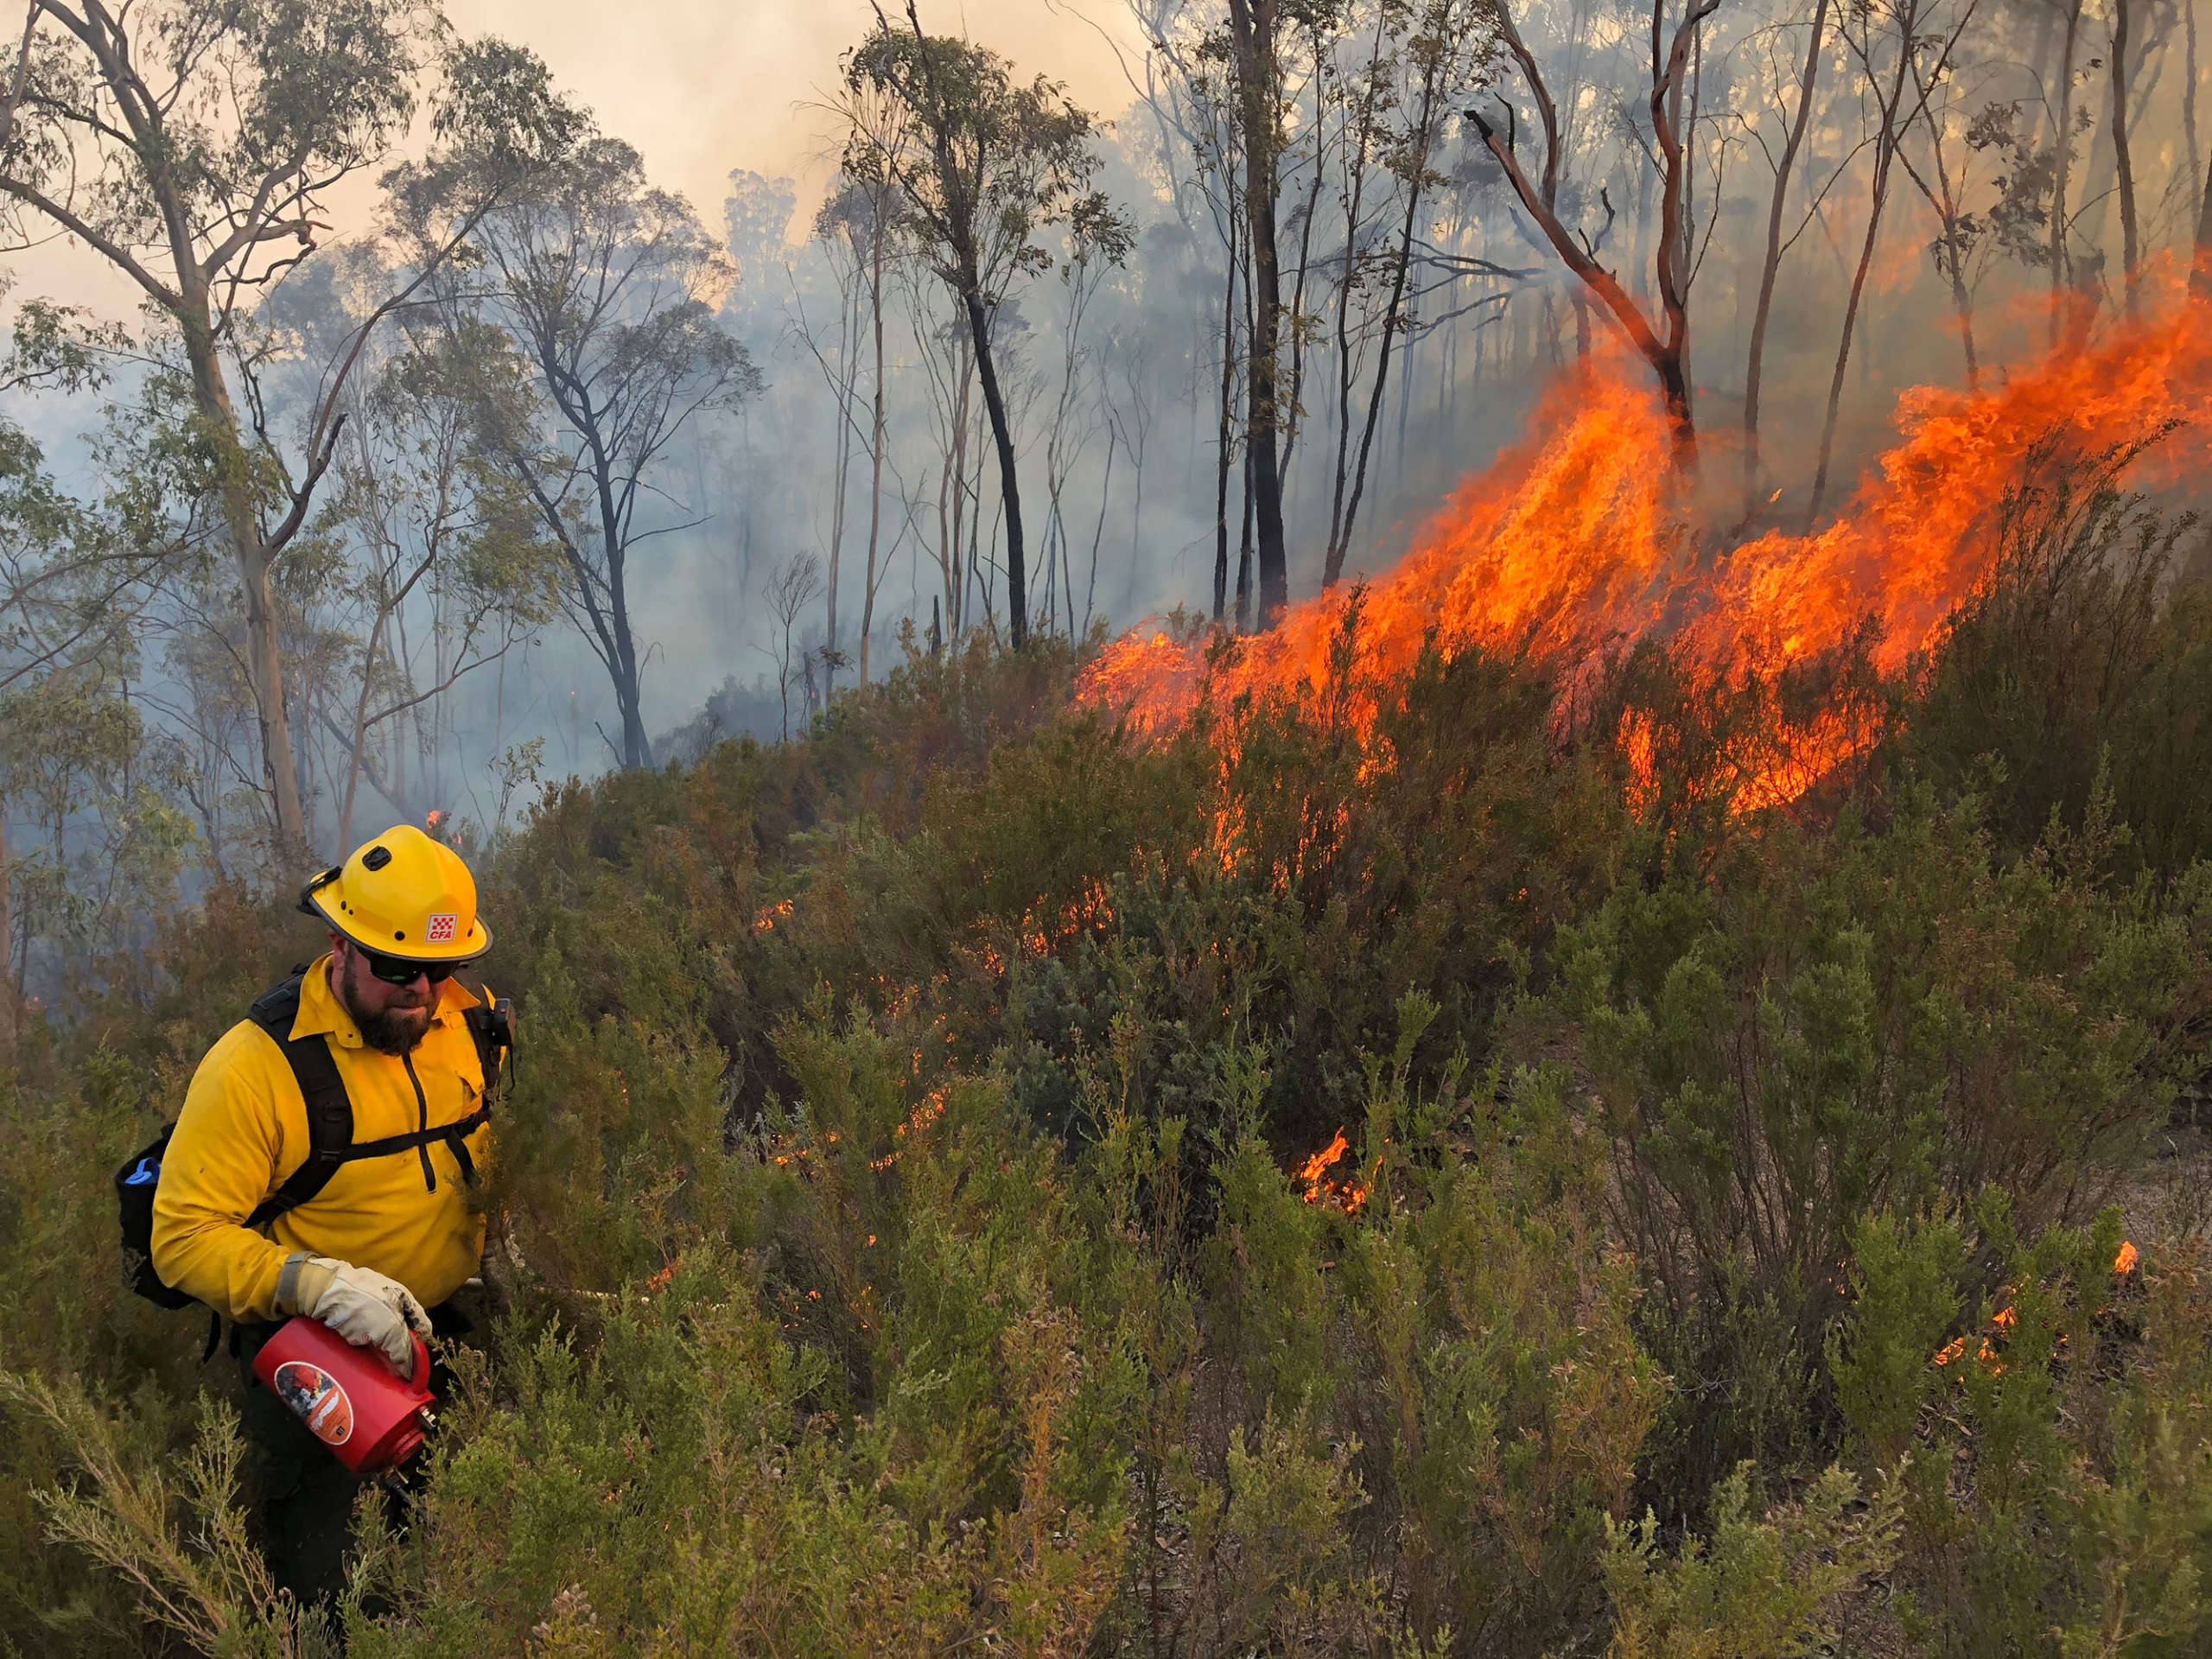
(608, 287)
(983, 164)
(1663, 341)
(195, 145)
(1922, 48)
(1439, 47)
(433, 529)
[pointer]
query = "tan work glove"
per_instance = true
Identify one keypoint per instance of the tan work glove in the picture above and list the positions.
(363, 1307)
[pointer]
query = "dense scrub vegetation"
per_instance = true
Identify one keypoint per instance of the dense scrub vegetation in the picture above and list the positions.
(915, 1226)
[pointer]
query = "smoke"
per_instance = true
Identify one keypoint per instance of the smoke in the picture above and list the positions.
(1511, 491)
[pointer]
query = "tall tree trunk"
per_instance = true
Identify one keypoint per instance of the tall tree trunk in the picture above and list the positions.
(622, 666)
(2062, 166)
(875, 441)
(1009, 485)
(1755, 363)
(636, 746)
(1244, 553)
(8, 1012)
(1225, 435)
(1884, 155)
(1671, 262)
(1297, 288)
(841, 473)
(2123, 166)
(2200, 272)
(2188, 101)
(1252, 29)
(1355, 196)
(264, 654)
(1340, 538)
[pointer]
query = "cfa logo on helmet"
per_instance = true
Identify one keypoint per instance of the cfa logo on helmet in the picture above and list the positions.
(441, 929)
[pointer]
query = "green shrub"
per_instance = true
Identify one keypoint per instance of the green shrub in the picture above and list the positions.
(912, 1229)
(1831, 1024)
(2061, 1438)
(1771, 1588)
(2085, 665)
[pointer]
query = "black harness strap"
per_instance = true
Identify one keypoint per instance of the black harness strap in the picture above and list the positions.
(454, 1134)
(330, 1111)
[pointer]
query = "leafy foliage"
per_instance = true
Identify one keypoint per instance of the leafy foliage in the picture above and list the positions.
(980, 1180)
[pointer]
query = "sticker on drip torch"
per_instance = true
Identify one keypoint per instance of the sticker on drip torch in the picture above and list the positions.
(444, 928)
(317, 1400)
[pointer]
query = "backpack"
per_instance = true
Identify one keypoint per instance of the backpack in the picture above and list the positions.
(330, 1132)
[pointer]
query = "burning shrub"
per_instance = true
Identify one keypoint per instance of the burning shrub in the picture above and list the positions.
(2084, 666)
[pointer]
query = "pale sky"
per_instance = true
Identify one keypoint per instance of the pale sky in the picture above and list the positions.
(701, 86)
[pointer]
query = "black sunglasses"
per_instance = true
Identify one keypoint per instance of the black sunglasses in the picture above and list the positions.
(396, 970)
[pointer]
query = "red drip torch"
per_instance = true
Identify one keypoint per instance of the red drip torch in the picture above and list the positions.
(371, 1418)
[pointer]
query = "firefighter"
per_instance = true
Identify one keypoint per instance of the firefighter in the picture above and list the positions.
(324, 1157)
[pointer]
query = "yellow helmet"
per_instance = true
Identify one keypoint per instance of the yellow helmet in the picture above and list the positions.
(402, 895)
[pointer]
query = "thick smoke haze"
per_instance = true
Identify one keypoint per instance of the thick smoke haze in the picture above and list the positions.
(1422, 305)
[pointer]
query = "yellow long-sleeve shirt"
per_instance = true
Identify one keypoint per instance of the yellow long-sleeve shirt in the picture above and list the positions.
(245, 1129)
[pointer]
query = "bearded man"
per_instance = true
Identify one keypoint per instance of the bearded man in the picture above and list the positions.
(322, 1163)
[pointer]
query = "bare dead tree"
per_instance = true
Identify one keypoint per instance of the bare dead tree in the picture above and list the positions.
(794, 585)
(1665, 346)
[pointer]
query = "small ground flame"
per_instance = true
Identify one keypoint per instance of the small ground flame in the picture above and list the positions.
(1316, 1187)
(2002, 1321)
(1312, 1176)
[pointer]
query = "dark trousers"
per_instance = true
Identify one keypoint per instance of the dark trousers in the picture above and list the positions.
(307, 1495)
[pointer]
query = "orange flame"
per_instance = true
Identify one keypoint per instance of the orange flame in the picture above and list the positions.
(2008, 1316)
(1318, 1166)
(1312, 1178)
(1576, 541)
